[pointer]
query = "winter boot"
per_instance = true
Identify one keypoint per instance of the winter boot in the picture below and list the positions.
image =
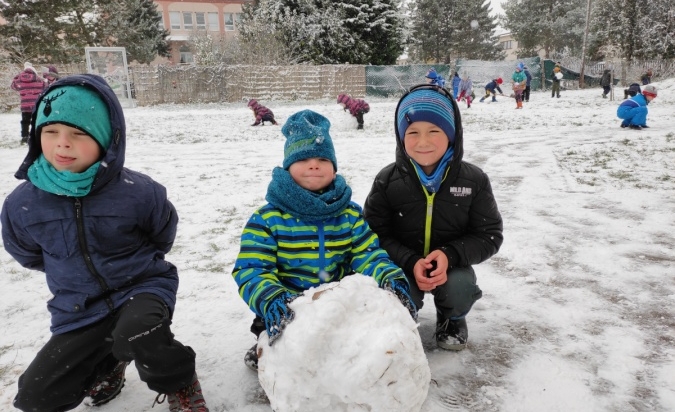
(251, 358)
(187, 399)
(359, 127)
(107, 386)
(482, 100)
(24, 139)
(635, 127)
(451, 334)
(604, 96)
(494, 99)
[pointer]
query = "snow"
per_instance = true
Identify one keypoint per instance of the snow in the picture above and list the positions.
(351, 347)
(577, 312)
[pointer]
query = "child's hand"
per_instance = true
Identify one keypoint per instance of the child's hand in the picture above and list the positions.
(431, 271)
(402, 292)
(278, 315)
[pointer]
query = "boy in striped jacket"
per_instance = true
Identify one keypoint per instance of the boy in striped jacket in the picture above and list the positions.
(310, 232)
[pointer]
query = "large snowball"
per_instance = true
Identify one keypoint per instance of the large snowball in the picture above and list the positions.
(351, 347)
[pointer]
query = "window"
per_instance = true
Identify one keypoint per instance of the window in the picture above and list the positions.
(229, 21)
(201, 21)
(213, 21)
(186, 55)
(174, 18)
(187, 20)
(237, 19)
(507, 44)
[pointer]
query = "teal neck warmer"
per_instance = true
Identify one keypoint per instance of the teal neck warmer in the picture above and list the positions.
(433, 182)
(66, 183)
(304, 204)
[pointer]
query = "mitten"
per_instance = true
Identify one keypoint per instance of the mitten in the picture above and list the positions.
(402, 292)
(277, 315)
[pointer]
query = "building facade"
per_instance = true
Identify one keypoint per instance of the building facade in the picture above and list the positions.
(183, 18)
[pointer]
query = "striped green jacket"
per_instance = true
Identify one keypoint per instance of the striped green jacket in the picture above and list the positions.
(280, 253)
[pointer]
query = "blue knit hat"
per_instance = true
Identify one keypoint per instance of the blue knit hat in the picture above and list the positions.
(431, 74)
(79, 107)
(426, 105)
(307, 137)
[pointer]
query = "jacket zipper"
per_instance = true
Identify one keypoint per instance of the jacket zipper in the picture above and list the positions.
(87, 258)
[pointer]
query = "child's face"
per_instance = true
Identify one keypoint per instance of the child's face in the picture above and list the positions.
(426, 144)
(68, 148)
(649, 98)
(313, 174)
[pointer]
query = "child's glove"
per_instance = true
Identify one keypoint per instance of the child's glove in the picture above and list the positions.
(402, 292)
(278, 315)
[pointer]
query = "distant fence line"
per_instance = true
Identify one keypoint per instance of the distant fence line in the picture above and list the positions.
(152, 85)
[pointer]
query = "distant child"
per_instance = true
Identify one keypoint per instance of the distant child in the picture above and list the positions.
(99, 232)
(262, 114)
(556, 75)
(646, 78)
(309, 233)
(51, 75)
(606, 83)
(491, 89)
(434, 78)
(634, 110)
(29, 85)
(519, 82)
(456, 80)
(356, 107)
(528, 76)
(632, 90)
(429, 178)
(465, 90)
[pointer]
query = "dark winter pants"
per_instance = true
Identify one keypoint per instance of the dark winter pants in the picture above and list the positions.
(526, 94)
(65, 368)
(555, 89)
(359, 120)
(606, 90)
(25, 124)
(453, 299)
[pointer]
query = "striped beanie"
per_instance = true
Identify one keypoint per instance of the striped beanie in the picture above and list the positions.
(426, 105)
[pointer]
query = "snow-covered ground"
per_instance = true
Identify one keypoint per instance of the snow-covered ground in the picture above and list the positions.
(578, 309)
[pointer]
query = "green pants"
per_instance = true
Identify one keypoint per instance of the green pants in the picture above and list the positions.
(454, 299)
(555, 89)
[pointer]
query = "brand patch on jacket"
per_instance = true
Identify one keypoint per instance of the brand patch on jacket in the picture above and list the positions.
(460, 191)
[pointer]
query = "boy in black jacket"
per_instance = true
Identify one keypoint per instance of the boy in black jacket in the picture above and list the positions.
(429, 179)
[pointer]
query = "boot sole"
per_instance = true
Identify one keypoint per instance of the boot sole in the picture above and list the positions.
(455, 347)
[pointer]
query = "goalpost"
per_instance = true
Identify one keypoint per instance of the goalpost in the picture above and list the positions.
(111, 64)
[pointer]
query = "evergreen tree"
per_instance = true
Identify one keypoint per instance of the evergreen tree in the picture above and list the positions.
(135, 25)
(324, 31)
(58, 31)
(644, 29)
(443, 30)
(549, 25)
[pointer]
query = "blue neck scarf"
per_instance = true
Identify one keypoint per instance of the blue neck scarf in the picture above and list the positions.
(433, 182)
(304, 204)
(44, 176)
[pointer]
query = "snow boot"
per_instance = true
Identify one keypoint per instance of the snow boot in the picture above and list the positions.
(635, 127)
(107, 386)
(251, 358)
(482, 100)
(187, 399)
(24, 139)
(451, 334)
(359, 127)
(494, 99)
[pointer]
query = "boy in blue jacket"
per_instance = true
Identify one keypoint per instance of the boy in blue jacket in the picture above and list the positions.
(429, 178)
(634, 110)
(491, 89)
(310, 232)
(99, 232)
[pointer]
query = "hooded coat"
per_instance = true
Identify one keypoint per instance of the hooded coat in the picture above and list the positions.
(99, 250)
(29, 85)
(461, 218)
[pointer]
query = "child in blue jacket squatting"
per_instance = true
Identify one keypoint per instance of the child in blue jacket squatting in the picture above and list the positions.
(491, 89)
(634, 110)
(434, 213)
(99, 232)
(309, 233)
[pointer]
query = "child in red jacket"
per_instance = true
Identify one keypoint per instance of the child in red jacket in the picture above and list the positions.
(29, 85)
(356, 107)
(262, 114)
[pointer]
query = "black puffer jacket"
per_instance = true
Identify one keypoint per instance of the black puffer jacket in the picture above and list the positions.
(465, 221)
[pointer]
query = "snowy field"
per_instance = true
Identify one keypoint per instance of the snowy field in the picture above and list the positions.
(578, 311)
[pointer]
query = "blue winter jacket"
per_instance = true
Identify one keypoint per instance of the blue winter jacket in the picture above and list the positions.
(99, 250)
